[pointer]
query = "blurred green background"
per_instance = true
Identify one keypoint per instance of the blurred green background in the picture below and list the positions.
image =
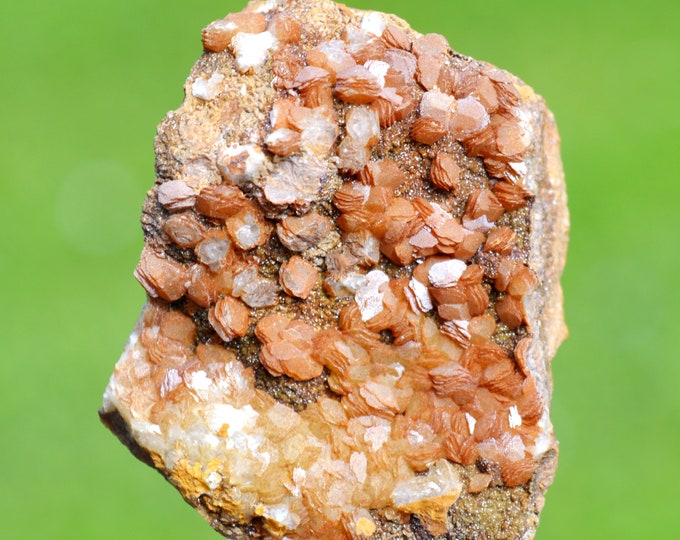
(84, 83)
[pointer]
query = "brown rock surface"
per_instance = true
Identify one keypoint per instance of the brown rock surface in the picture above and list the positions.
(352, 258)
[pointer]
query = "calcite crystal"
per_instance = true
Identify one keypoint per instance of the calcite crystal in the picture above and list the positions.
(352, 259)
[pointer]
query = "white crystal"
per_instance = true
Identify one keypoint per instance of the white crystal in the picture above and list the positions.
(207, 89)
(422, 295)
(379, 69)
(242, 279)
(352, 156)
(336, 54)
(214, 479)
(520, 168)
(472, 422)
(251, 50)
(353, 281)
(282, 515)
(525, 120)
(378, 435)
(399, 368)
(481, 224)
(544, 439)
(221, 414)
(414, 437)
(368, 297)
(198, 382)
(253, 289)
(176, 195)
(266, 7)
(514, 418)
(373, 23)
(446, 273)
(170, 382)
(462, 327)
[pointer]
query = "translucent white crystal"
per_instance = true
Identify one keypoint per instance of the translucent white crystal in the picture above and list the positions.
(172, 379)
(414, 437)
(423, 239)
(318, 134)
(212, 251)
(399, 368)
(241, 163)
(461, 326)
(470, 117)
(441, 479)
(378, 434)
(513, 447)
(248, 235)
(297, 180)
(176, 195)
(242, 279)
(358, 463)
(525, 121)
(336, 53)
(362, 125)
(266, 7)
(520, 168)
(353, 156)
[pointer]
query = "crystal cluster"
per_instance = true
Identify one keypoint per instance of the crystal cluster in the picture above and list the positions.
(352, 257)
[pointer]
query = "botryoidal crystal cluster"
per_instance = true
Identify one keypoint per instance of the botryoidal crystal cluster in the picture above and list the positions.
(352, 258)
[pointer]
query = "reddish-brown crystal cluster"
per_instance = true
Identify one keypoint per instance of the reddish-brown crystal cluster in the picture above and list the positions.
(363, 242)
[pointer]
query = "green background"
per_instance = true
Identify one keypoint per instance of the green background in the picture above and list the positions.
(83, 84)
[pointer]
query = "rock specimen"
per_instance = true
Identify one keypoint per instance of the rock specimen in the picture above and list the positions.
(352, 259)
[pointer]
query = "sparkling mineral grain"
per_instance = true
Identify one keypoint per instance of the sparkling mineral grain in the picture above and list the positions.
(352, 259)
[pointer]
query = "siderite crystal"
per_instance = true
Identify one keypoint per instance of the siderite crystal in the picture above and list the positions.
(352, 259)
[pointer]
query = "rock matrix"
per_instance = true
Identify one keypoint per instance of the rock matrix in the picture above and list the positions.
(352, 258)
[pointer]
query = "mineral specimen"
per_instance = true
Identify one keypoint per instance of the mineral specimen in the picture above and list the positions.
(352, 259)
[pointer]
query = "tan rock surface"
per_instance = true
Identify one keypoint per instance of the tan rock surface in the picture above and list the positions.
(352, 258)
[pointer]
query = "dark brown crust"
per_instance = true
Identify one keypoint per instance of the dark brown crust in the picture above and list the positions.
(117, 425)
